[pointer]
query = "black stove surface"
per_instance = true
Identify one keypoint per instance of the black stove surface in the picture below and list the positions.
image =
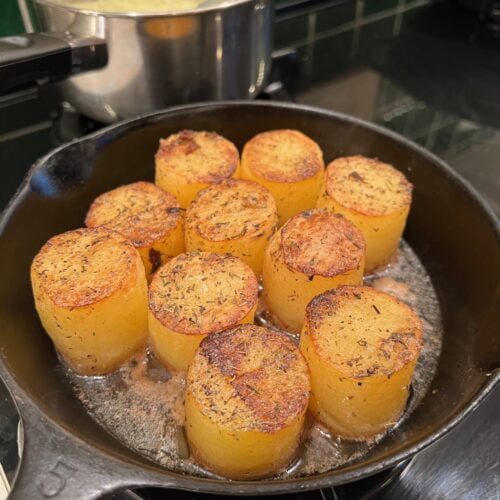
(427, 70)
(368, 488)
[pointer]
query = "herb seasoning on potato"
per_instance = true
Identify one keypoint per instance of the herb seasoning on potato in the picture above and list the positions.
(236, 216)
(361, 345)
(147, 216)
(313, 252)
(246, 397)
(195, 294)
(375, 197)
(189, 161)
(90, 291)
(289, 164)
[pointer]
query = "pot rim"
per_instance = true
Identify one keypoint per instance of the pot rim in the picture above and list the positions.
(223, 5)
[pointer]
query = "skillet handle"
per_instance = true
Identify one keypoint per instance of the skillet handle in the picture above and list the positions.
(56, 465)
(47, 57)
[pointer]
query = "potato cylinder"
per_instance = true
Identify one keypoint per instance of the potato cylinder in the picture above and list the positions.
(90, 292)
(196, 294)
(313, 252)
(236, 216)
(147, 216)
(361, 345)
(289, 164)
(375, 197)
(189, 161)
(246, 396)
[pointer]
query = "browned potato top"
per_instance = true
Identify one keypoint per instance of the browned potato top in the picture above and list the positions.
(198, 156)
(250, 378)
(201, 292)
(231, 209)
(81, 267)
(317, 242)
(362, 331)
(141, 212)
(283, 156)
(367, 185)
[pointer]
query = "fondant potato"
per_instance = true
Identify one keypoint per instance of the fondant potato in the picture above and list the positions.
(90, 292)
(313, 252)
(235, 216)
(361, 345)
(246, 397)
(196, 294)
(289, 164)
(375, 197)
(147, 216)
(189, 161)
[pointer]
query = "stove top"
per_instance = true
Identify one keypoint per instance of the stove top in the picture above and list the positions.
(427, 70)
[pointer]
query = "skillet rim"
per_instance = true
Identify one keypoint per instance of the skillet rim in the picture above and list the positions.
(355, 471)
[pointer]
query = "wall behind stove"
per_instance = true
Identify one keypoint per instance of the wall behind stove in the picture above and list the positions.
(10, 18)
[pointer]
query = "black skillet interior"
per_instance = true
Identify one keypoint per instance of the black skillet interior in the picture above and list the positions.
(452, 232)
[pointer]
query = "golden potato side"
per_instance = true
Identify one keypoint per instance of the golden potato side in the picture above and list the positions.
(189, 161)
(195, 294)
(313, 252)
(361, 345)
(375, 197)
(90, 292)
(289, 164)
(235, 216)
(147, 216)
(246, 396)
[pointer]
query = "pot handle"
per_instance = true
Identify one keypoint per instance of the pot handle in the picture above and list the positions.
(47, 57)
(55, 466)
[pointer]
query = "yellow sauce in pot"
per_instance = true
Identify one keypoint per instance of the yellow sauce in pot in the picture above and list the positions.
(140, 6)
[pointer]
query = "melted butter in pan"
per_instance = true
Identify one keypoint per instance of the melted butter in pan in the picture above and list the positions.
(142, 404)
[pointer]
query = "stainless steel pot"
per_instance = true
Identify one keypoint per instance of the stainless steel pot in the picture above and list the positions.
(147, 61)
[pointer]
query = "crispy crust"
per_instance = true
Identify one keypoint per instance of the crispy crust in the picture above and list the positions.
(142, 212)
(367, 185)
(84, 266)
(201, 292)
(230, 210)
(363, 332)
(283, 156)
(204, 157)
(317, 242)
(250, 378)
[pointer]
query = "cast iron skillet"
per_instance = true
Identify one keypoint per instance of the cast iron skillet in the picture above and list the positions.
(67, 455)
